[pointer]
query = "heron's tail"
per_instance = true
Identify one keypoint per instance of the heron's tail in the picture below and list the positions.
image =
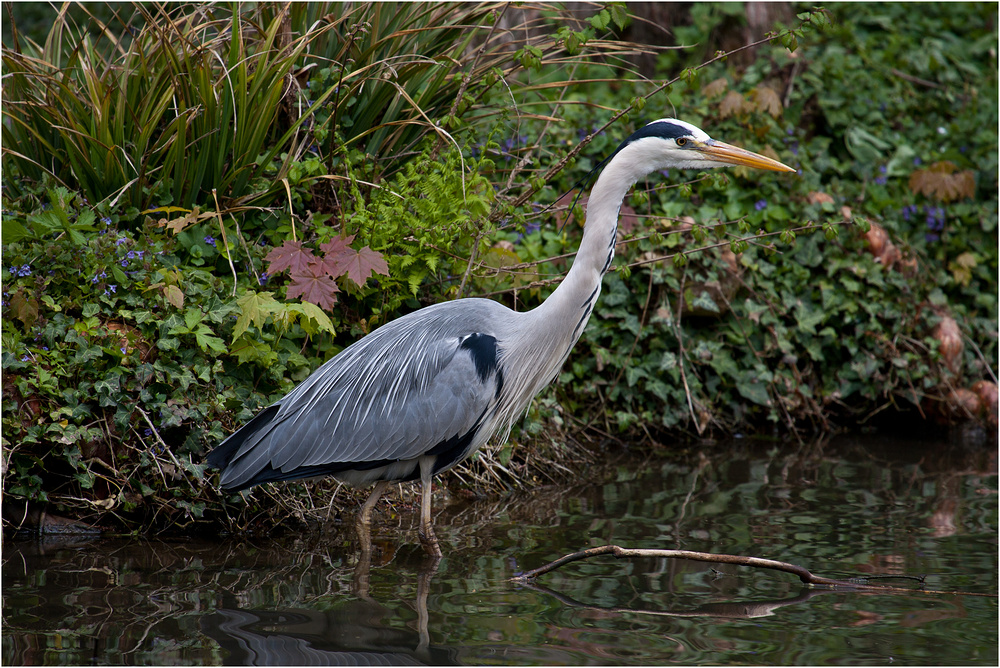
(227, 457)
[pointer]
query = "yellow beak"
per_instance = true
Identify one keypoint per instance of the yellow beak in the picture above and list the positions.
(734, 155)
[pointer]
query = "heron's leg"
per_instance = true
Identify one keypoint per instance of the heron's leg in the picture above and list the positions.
(426, 531)
(365, 516)
(364, 524)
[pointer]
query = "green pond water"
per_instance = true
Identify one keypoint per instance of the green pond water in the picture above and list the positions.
(850, 508)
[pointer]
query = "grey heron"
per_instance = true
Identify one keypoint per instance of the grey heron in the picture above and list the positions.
(421, 393)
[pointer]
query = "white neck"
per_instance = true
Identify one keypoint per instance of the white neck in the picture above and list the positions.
(547, 333)
(544, 336)
(575, 297)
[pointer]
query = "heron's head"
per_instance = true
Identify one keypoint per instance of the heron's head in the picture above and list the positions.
(672, 144)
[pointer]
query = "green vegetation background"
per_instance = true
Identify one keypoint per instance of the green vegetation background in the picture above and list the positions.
(199, 209)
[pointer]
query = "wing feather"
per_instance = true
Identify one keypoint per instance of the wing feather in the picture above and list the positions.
(395, 394)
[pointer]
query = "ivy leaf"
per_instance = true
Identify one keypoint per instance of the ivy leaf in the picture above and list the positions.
(289, 255)
(817, 197)
(207, 341)
(941, 182)
(24, 309)
(254, 308)
(312, 319)
(961, 267)
(247, 349)
(864, 146)
(767, 100)
(755, 391)
(313, 284)
(715, 88)
(732, 104)
(174, 295)
(13, 231)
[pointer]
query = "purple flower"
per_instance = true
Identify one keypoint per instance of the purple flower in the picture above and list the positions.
(121, 240)
(23, 270)
(935, 218)
(210, 240)
(106, 221)
(908, 211)
(760, 205)
(263, 278)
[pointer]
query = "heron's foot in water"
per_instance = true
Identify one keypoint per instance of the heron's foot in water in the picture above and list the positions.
(429, 541)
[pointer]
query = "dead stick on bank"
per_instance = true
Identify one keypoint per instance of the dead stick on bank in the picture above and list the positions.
(754, 562)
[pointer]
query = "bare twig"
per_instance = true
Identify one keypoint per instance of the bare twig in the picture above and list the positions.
(916, 80)
(739, 560)
(639, 263)
(675, 324)
(166, 448)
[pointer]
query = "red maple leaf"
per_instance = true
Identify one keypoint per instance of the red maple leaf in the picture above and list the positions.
(365, 263)
(314, 285)
(340, 259)
(289, 255)
(336, 255)
(338, 246)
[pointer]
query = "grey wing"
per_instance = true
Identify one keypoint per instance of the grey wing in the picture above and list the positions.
(394, 395)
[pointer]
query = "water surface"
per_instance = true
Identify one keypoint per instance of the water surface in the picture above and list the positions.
(846, 509)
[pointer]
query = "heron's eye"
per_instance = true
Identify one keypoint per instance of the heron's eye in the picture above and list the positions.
(681, 141)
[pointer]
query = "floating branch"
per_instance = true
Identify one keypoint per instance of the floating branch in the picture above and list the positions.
(804, 575)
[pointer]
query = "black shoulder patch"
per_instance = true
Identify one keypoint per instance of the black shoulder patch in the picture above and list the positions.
(483, 349)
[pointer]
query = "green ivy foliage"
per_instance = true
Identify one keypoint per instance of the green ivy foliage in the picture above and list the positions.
(426, 221)
(801, 330)
(134, 339)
